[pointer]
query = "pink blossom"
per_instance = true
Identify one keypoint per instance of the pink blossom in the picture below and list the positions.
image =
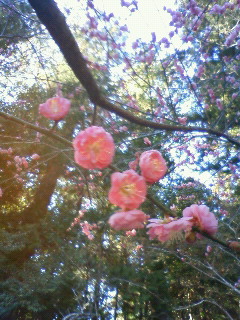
(202, 218)
(232, 36)
(131, 233)
(153, 36)
(124, 28)
(147, 141)
(55, 108)
(94, 148)
(135, 44)
(153, 166)
(167, 229)
(219, 104)
(133, 164)
(182, 120)
(35, 156)
(123, 128)
(18, 160)
(209, 249)
(217, 9)
(86, 229)
(224, 212)
(24, 162)
(128, 190)
(128, 220)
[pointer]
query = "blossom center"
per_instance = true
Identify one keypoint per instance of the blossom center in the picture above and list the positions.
(54, 106)
(155, 163)
(195, 221)
(128, 189)
(95, 147)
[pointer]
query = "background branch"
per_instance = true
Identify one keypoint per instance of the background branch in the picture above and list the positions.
(55, 22)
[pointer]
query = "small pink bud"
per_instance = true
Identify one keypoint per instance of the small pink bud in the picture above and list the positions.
(35, 156)
(131, 233)
(209, 249)
(147, 141)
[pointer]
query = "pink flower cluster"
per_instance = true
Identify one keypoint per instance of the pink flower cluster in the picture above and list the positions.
(20, 161)
(197, 216)
(128, 190)
(87, 228)
(232, 36)
(217, 9)
(55, 108)
(94, 148)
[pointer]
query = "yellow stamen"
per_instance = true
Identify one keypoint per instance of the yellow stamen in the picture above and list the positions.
(54, 106)
(155, 163)
(128, 189)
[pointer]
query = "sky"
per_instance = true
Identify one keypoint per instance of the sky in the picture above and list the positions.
(149, 17)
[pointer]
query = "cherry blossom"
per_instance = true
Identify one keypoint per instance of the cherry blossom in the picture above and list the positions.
(86, 229)
(168, 228)
(55, 108)
(128, 220)
(133, 164)
(147, 141)
(131, 233)
(35, 156)
(209, 249)
(153, 166)
(128, 190)
(94, 148)
(202, 218)
(182, 120)
(232, 36)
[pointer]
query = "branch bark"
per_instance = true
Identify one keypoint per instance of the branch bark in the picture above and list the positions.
(35, 128)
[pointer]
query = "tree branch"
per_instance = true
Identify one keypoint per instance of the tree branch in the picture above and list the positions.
(36, 128)
(55, 22)
(226, 245)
